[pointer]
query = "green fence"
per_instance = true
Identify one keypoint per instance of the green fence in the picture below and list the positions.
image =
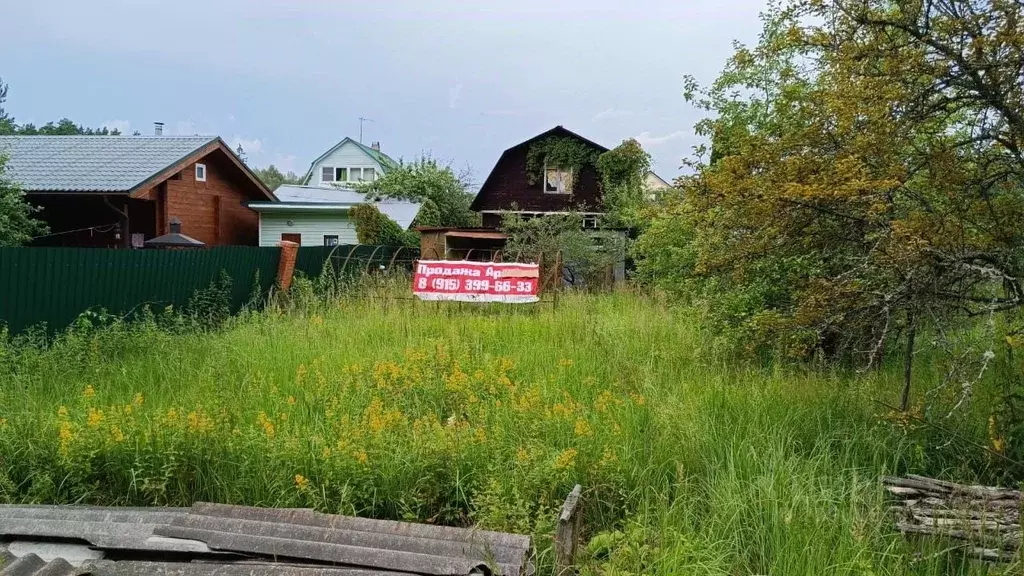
(55, 285)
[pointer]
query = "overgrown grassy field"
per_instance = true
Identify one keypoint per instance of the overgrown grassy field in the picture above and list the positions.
(691, 463)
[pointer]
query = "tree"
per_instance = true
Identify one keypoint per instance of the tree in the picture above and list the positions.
(272, 177)
(427, 181)
(586, 256)
(375, 228)
(17, 226)
(865, 174)
(623, 173)
(65, 127)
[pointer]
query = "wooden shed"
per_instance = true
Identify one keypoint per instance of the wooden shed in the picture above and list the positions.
(480, 244)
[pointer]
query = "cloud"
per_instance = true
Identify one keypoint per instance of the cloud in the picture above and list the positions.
(122, 126)
(612, 114)
(285, 162)
(251, 147)
(454, 96)
(646, 139)
(505, 113)
(184, 128)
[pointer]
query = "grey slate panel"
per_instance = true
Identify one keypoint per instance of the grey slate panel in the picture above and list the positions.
(379, 544)
(108, 528)
(134, 568)
(92, 163)
(32, 565)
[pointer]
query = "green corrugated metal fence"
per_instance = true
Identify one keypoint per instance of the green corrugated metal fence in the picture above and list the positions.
(55, 285)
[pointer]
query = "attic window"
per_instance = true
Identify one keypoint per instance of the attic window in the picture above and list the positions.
(200, 172)
(327, 174)
(557, 181)
(341, 174)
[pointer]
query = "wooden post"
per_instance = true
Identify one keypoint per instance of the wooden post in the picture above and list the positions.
(908, 363)
(568, 533)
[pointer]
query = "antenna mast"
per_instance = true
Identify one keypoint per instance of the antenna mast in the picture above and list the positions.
(361, 120)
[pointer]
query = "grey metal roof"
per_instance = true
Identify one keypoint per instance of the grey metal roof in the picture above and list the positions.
(92, 163)
(316, 198)
(237, 540)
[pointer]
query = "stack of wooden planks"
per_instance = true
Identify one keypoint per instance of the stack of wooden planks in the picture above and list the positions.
(987, 519)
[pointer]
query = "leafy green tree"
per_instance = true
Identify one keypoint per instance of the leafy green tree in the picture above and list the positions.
(865, 172)
(623, 173)
(586, 256)
(375, 228)
(17, 226)
(273, 177)
(427, 180)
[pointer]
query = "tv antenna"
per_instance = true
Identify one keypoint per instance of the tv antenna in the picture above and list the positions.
(361, 120)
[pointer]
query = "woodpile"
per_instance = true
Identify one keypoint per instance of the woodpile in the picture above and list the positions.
(987, 519)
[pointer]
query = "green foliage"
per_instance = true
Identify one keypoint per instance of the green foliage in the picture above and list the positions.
(429, 215)
(692, 463)
(425, 179)
(17, 226)
(272, 177)
(854, 186)
(586, 256)
(559, 152)
(64, 127)
(374, 228)
(623, 173)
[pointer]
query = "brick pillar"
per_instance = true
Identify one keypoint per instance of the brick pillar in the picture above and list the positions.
(286, 266)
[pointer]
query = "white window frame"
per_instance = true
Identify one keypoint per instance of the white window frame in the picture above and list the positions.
(569, 172)
(324, 169)
(335, 237)
(347, 172)
(590, 222)
(202, 168)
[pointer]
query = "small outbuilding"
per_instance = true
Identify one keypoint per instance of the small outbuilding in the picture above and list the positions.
(480, 244)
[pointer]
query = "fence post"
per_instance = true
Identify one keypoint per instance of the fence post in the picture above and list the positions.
(567, 534)
(286, 265)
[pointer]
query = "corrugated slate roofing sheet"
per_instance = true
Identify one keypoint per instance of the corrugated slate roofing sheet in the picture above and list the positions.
(92, 163)
(222, 539)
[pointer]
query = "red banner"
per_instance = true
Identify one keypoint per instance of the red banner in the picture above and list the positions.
(464, 281)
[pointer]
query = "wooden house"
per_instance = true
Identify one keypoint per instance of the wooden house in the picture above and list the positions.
(120, 191)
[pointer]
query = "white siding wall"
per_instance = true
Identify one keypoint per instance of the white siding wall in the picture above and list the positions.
(312, 226)
(348, 156)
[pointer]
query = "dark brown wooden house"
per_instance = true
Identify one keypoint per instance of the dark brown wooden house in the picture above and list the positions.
(511, 188)
(119, 191)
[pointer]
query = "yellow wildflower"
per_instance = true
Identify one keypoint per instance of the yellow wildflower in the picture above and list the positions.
(566, 459)
(638, 399)
(89, 391)
(3, 422)
(481, 435)
(360, 456)
(268, 426)
(583, 428)
(138, 399)
(291, 400)
(66, 435)
(116, 435)
(301, 482)
(998, 442)
(603, 400)
(565, 362)
(522, 455)
(62, 412)
(95, 417)
(317, 320)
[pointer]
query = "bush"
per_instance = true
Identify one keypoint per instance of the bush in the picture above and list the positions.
(374, 228)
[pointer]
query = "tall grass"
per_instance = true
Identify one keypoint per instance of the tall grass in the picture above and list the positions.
(692, 463)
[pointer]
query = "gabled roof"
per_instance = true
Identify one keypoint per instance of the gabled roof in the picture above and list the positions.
(293, 198)
(558, 131)
(385, 161)
(111, 164)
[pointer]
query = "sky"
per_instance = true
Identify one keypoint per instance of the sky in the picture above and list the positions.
(458, 80)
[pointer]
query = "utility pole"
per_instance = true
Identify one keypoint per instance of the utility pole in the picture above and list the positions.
(361, 120)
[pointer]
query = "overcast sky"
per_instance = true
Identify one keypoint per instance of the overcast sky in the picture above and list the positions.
(457, 79)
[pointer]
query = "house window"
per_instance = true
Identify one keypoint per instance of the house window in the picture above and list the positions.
(590, 222)
(327, 174)
(361, 174)
(340, 174)
(200, 172)
(557, 181)
(330, 240)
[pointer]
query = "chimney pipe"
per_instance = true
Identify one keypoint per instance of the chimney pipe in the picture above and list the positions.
(158, 128)
(175, 225)
(375, 146)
